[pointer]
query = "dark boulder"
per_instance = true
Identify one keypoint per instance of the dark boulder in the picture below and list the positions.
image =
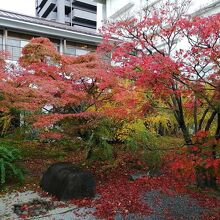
(66, 181)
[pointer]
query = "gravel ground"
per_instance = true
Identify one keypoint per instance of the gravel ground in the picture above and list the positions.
(70, 212)
(179, 207)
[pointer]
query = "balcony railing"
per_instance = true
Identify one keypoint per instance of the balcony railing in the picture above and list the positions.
(13, 52)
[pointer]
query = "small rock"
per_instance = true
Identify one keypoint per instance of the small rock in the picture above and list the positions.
(25, 213)
(31, 213)
(37, 212)
(43, 211)
(154, 173)
(2, 208)
(135, 176)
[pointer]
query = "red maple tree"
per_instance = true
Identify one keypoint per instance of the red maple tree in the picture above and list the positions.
(53, 87)
(174, 57)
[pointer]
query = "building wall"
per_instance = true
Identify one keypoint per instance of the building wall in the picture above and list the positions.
(79, 13)
(12, 42)
(114, 9)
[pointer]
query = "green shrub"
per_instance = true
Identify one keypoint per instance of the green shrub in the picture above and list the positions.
(97, 140)
(8, 166)
(139, 138)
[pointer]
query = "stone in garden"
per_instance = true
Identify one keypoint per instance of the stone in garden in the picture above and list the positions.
(149, 173)
(154, 173)
(2, 208)
(135, 176)
(66, 181)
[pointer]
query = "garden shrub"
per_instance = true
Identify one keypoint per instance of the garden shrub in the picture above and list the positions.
(8, 167)
(97, 140)
(137, 137)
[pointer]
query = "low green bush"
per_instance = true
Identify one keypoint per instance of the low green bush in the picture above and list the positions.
(8, 167)
(139, 138)
(97, 141)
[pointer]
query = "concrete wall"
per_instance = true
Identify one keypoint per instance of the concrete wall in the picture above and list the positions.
(61, 11)
(71, 12)
(115, 9)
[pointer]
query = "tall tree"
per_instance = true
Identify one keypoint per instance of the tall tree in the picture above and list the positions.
(175, 58)
(52, 87)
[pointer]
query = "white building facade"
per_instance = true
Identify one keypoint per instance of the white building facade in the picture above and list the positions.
(78, 13)
(16, 30)
(117, 9)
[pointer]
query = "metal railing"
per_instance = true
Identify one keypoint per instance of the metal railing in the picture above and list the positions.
(12, 52)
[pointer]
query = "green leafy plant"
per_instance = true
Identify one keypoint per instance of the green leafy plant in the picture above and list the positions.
(8, 166)
(139, 138)
(98, 146)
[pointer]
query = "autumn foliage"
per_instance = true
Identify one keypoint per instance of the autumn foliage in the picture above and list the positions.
(52, 87)
(181, 76)
(163, 78)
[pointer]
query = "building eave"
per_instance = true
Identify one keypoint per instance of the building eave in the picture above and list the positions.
(19, 25)
(207, 8)
(100, 1)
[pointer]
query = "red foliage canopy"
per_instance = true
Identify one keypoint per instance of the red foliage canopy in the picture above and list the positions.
(54, 87)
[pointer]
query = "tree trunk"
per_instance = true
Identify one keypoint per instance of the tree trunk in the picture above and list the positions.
(210, 120)
(217, 133)
(204, 177)
(195, 113)
(179, 115)
(207, 177)
(160, 129)
(89, 153)
(90, 146)
(202, 119)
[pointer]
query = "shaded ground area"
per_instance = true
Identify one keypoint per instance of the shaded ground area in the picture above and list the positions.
(168, 207)
(163, 207)
(59, 211)
(179, 207)
(120, 198)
